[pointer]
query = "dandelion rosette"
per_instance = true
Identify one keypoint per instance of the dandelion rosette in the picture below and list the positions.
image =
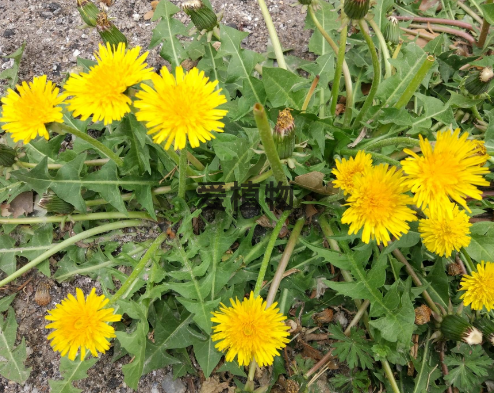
(180, 108)
(479, 287)
(378, 204)
(27, 112)
(346, 170)
(81, 323)
(101, 92)
(452, 169)
(249, 330)
(445, 229)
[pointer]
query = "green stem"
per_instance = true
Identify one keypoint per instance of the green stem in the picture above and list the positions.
(469, 11)
(384, 48)
(275, 41)
(339, 69)
(377, 156)
(64, 129)
(182, 172)
(375, 145)
(176, 159)
(391, 377)
(268, 252)
(99, 162)
(360, 313)
(377, 74)
(76, 218)
(322, 103)
(138, 269)
(249, 386)
(194, 161)
(128, 196)
(468, 260)
(268, 144)
(290, 245)
(72, 240)
(484, 30)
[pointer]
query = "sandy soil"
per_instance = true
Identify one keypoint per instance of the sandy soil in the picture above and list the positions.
(54, 40)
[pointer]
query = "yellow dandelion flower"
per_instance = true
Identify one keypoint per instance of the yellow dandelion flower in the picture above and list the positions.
(445, 229)
(80, 322)
(345, 170)
(479, 287)
(27, 112)
(378, 203)
(180, 108)
(250, 330)
(101, 92)
(452, 169)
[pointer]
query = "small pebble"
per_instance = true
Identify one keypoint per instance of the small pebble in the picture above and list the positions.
(8, 33)
(172, 386)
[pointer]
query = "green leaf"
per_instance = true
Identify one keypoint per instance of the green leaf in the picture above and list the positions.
(71, 371)
(439, 288)
(279, 85)
(329, 21)
(354, 349)
(12, 366)
(7, 257)
(134, 343)
(166, 31)
(424, 367)
(207, 356)
(12, 73)
(481, 246)
(488, 12)
(135, 133)
(5, 302)
(433, 109)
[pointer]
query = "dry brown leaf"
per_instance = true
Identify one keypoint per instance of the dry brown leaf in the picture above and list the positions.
(148, 15)
(290, 272)
(428, 4)
(5, 210)
(265, 222)
(310, 211)
(22, 204)
(314, 181)
(324, 316)
(213, 385)
(154, 4)
(365, 88)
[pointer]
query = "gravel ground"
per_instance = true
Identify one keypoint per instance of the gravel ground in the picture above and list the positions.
(54, 40)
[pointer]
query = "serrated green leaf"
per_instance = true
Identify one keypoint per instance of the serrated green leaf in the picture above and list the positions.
(488, 12)
(328, 18)
(134, 343)
(354, 349)
(71, 371)
(12, 73)
(138, 155)
(279, 83)
(207, 356)
(481, 246)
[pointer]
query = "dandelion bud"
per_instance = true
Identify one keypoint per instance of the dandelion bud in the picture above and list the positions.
(53, 204)
(356, 9)
(108, 31)
(392, 30)
(422, 315)
(454, 327)
(7, 156)
(89, 12)
(201, 15)
(478, 82)
(284, 134)
(486, 326)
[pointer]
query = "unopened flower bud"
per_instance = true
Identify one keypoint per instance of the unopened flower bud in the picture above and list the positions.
(454, 327)
(284, 134)
(108, 31)
(356, 9)
(201, 15)
(89, 12)
(392, 30)
(422, 315)
(7, 156)
(486, 326)
(54, 204)
(478, 82)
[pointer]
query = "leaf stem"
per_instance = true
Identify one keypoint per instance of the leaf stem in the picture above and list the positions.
(377, 156)
(390, 376)
(182, 172)
(468, 260)
(375, 145)
(98, 162)
(360, 313)
(339, 68)
(278, 51)
(269, 251)
(377, 73)
(68, 242)
(75, 218)
(384, 47)
(484, 30)
(278, 276)
(138, 268)
(64, 129)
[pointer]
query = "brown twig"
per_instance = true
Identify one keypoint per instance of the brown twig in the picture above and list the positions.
(443, 365)
(443, 29)
(439, 21)
(326, 358)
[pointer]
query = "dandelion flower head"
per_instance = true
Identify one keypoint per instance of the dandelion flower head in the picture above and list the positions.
(180, 108)
(101, 92)
(346, 170)
(80, 322)
(452, 169)
(250, 330)
(27, 111)
(378, 204)
(445, 229)
(479, 287)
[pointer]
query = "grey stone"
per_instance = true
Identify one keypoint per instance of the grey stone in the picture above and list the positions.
(172, 386)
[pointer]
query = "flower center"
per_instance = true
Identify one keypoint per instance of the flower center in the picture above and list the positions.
(248, 330)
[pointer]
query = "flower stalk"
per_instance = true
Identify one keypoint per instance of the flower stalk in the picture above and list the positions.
(384, 48)
(278, 51)
(75, 218)
(182, 172)
(339, 68)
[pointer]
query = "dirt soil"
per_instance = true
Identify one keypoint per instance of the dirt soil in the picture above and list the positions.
(54, 40)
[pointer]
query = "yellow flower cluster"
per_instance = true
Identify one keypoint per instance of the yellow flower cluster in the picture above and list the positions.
(378, 199)
(175, 109)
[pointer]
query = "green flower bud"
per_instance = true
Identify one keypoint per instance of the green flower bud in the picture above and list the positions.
(108, 31)
(486, 326)
(7, 156)
(454, 327)
(392, 30)
(89, 12)
(202, 16)
(53, 204)
(284, 134)
(478, 82)
(356, 9)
